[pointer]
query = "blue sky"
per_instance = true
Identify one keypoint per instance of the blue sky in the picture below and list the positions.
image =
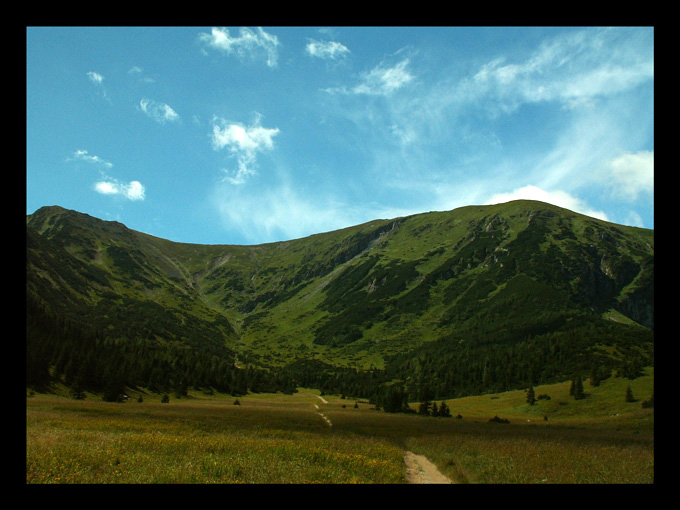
(246, 135)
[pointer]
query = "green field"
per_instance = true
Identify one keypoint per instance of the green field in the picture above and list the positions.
(276, 438)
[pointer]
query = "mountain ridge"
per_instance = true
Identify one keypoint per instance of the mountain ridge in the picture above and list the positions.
(355, 297)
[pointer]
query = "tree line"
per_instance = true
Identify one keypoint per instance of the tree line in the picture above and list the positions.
(86, 357)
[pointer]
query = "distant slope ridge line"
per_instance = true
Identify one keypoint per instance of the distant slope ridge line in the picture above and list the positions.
(525, 276)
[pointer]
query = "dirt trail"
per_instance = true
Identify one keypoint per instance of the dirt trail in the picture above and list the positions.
(325, 418)
(418, 468)
(421, 470)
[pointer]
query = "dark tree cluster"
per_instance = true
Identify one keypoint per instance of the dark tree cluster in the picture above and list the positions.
(473, 361)
(85, 358)
(432, 409)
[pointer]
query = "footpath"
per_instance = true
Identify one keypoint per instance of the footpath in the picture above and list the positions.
(419, 470)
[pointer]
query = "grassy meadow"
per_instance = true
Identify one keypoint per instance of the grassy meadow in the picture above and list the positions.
(284, 439)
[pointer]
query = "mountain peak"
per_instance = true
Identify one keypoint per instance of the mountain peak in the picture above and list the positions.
(514, 274)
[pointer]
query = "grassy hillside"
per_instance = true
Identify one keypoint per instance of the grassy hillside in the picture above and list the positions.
(478, 299)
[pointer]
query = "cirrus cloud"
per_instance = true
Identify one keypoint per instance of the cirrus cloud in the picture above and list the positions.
(633, 174)
(332, 50)
(98, 81)
(243, 143)
(572, 70)
(248, 43)
(383, 80)
(160, 112)
(83, 155)
(95, 77)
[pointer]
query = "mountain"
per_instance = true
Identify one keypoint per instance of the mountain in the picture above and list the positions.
(416, 298)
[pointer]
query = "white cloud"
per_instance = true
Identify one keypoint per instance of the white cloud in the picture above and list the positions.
(98, 81)
(555, 197)
(109, 186)
(132, 191)
(433, 147)
(384, 80)
(138, 71)
(95, 77)
(106, 188)
(632, 174)
(243, 142)
(83, 155)
(280, 213)
(573, 69)
(247, 43)
(160, 112)
(326, 49)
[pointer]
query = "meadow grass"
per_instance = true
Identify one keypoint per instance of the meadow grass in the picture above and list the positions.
(215, 441)
(277, 439)
(560, 440)
(516, 454)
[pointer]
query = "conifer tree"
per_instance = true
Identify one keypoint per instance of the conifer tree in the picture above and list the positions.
(424, 408)
(531, 396)
(577, 388)
(595, 376)
(444, 410)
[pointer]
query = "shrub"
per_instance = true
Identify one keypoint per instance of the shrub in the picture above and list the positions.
(496, 419)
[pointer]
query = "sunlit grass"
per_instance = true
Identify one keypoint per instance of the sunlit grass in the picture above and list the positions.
(93, 442)
(282, 439)
(487, 457)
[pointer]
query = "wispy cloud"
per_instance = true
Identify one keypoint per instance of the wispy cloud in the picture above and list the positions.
(139, 72)
(277, 212)
(632, 174)
(83, 155)
(578, 81)
(160, 112)
(134, 190)
(248, 44)
(98, 81)
(326, 50)
(572, 69)
(95, 77)
(383, 80)
(243, 143)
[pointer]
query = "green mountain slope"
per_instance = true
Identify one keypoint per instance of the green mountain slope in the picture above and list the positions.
(383, 294)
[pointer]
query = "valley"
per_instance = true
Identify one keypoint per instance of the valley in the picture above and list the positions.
(316, 360)
(478, 299)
